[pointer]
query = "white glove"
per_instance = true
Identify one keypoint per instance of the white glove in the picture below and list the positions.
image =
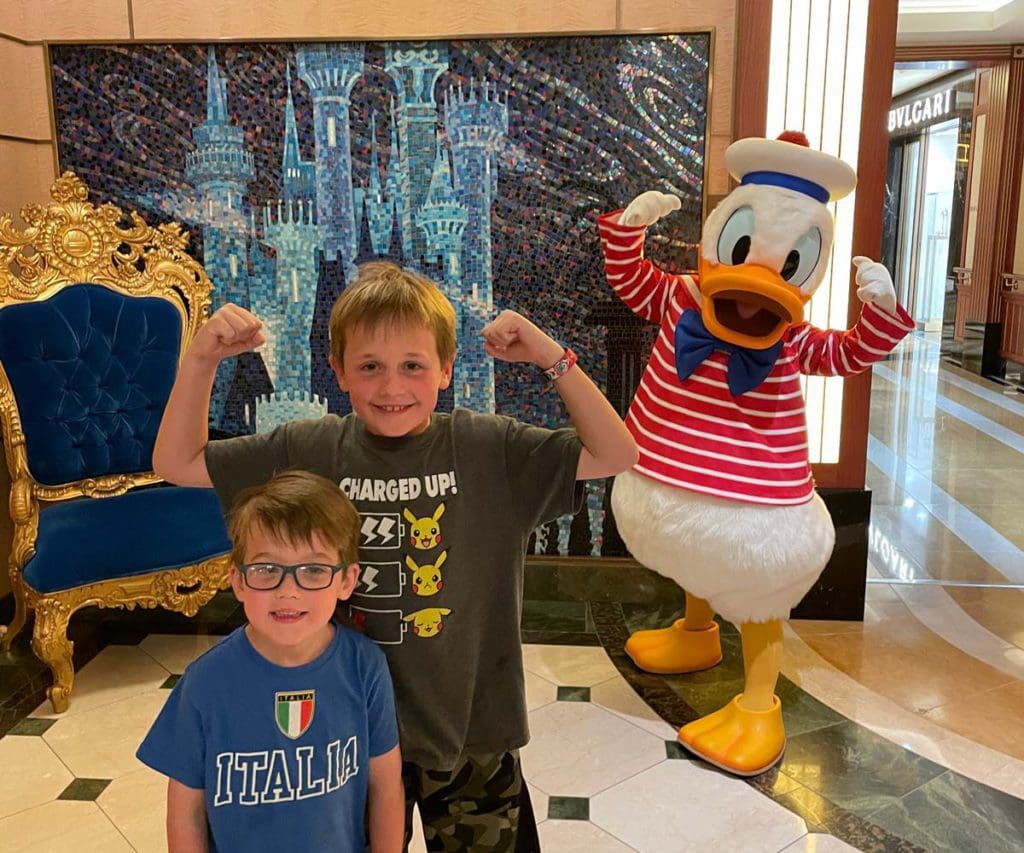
(647, 208)
(874, 284)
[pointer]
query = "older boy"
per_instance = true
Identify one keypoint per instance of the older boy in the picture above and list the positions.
(447, 501)
(285, 732)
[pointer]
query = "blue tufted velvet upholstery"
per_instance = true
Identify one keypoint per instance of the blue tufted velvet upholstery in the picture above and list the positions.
(91, 370)
(146, 530)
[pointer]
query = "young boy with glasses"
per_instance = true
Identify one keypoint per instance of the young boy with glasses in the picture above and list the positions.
(285, 732)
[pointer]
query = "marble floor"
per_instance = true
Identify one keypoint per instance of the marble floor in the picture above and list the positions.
(906, 730)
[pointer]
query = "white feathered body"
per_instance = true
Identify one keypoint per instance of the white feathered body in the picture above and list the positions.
(752, 563)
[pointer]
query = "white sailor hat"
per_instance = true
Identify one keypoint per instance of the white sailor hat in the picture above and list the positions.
(789, 162)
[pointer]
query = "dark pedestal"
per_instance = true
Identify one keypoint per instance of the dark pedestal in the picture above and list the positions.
(839, 592)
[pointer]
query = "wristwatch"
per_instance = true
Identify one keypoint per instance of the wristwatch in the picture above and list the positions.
(562, 366)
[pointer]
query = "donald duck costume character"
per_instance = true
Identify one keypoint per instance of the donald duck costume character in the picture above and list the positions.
(722, 499)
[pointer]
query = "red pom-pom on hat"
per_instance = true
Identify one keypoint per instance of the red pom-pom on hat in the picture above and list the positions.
(797, 137)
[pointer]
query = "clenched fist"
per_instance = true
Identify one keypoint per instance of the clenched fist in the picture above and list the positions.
(511, 337)
(230, 331)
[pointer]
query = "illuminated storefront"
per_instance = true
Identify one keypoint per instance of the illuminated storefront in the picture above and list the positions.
(930, 134)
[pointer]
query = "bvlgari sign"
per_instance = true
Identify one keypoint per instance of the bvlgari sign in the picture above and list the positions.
(921, 112)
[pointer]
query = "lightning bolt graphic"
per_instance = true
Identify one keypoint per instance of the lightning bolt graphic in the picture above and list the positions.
(368, 578)
(385, 528)
(368, 530)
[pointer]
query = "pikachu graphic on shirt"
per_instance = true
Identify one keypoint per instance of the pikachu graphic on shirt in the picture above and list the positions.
(426, 579)
(424, 533)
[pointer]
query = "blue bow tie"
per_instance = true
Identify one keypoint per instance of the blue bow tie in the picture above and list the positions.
(747, 368)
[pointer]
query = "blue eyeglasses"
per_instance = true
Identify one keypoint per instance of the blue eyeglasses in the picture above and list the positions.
(309, 576)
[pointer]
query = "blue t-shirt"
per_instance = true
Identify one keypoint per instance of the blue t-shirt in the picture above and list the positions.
(281, 752)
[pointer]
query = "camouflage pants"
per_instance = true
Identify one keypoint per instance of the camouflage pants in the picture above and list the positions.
(480, 805)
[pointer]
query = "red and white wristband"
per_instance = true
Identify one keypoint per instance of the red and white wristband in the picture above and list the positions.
(562, 366)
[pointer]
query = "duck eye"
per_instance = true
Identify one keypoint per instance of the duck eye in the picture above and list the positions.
(803, 258)
(734, 241)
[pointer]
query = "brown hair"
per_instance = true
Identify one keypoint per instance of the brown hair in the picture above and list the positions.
(292, 506)
(384, 292)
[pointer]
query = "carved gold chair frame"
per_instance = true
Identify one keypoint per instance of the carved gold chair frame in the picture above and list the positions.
(67, 242)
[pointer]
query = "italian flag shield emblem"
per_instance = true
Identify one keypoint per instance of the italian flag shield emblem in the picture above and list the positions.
(294, 712)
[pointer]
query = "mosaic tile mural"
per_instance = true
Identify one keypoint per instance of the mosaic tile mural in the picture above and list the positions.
(482, 164)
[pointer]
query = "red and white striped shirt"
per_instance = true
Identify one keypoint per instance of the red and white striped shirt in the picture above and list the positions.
(694, 434)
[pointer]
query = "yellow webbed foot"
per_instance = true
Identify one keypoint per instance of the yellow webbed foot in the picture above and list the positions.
(674, 649)
(738, 740)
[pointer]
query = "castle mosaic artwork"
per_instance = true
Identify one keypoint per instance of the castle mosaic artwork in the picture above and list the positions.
(481, 164)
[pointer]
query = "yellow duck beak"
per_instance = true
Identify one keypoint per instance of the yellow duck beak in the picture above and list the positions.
(748, 305)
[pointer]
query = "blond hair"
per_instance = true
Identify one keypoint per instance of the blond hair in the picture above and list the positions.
(385, 293)
(292, 507)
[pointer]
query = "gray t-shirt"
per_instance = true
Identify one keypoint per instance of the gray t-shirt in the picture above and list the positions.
(446, 516)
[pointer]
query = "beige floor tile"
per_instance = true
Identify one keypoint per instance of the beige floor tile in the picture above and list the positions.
(539, 691)
(539, 801)
(899, 658)
(30, 774)
(101, 743)
(137, 805)
(116, 673)
(572, 666)
(617, 696)
(61, 826)
(578, 749)
(578, 836)
(1001, 611)
(726, 814)
(994, 717)
(175, 652)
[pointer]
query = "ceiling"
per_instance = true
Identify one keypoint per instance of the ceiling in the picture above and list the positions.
(946, 21)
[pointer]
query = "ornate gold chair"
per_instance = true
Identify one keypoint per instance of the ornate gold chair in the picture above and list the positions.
(94, 316)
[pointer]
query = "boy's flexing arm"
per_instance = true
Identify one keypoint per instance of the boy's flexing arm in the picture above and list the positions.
(608, 447)
(386, 803)
(186, 819)
(179, 451)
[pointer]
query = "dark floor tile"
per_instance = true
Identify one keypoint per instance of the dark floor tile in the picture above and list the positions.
(30, 726)
(953, 812)
(568, 808)
(802, 712)
(620, 581)
(559, 638)
(855, 768)
(643, 617)
(674, 750)
(704, 696)
(773, 782)
(567, 616)
(14, 679)
(84, 789)
(824, 816)
(573, 694)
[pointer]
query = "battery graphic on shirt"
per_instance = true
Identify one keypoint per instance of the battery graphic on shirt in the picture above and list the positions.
(381, 530)
(382, 626)
(380, 579)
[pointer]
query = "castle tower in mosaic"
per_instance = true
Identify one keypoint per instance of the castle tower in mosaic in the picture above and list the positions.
(298, 175)
(380, 205)
(220, 169)
(415, 71)
(331, 71)
(286, 301)
(443, 220)
(476, 120)
(287, 312)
